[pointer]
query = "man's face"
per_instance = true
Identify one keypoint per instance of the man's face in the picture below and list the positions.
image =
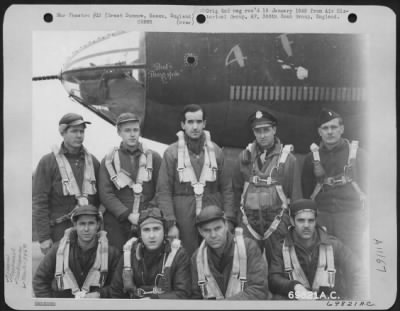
(86, 227)
(214, 233)
(265, 135)
(74, 136)
(152, 235)
(331, 132)
(194, 124)
(304, 224)
(129, 132)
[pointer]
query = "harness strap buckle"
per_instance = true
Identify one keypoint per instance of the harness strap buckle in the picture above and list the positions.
(289, 271)
(103, 276)
(243, 282)
(82, 200)
(331, 277)
(202, 285)
(329, 181)
(255, 179)
(114, 179)
(158, 290)
(341, 180)
(137, 188)
(180, 171)
(198, 189)
(140, 292)
(59, 282)
(67, 185)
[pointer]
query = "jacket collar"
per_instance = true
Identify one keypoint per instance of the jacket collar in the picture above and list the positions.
(64, 150)
(274, 150)
(164, 248)
(343, 143)
(133, 150)
(195, 145)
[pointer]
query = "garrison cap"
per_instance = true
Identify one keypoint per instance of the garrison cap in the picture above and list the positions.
(301, 206)
(72, 119)
(127, 117)
(262, 118)
(151, 215)
(85, 210)
(209, 213)
(327, 115)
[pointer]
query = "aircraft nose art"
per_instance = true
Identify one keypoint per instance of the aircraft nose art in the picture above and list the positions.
(107, 75)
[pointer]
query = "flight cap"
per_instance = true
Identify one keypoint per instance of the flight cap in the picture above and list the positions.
(151, 215)
(302, 205)
(209, 213)
(262, 118)
(71, 119)
(85, 210)
(127, 117)
(327, 115)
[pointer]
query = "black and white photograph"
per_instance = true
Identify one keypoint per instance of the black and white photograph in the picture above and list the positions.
(170, 166)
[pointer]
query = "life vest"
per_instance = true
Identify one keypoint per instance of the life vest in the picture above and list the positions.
(325, 274)
(127, 272)
(65, 279)
(258, 189)
(121, 178)
(238, 277)
(338, 180)
(186, 172)
(69, 184)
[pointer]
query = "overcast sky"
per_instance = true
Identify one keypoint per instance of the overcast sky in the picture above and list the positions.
(50, 100)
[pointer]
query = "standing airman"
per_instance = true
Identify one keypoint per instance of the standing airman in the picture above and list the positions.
(64, 179)
(127, 181)
(334, 176)
(263, 183)
(192, 175)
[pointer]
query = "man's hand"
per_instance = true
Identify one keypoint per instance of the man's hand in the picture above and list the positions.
(45, 246)
(133, 218)
(92, 295)
(299, 288)
(302, 293)
(173, 232)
